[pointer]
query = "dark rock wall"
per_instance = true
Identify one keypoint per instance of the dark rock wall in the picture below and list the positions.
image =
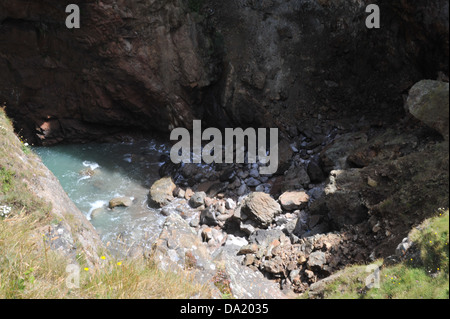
(132, 64)
(154, 65)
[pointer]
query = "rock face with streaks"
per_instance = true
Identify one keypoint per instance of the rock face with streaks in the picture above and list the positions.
(131, 65)
(155, 65)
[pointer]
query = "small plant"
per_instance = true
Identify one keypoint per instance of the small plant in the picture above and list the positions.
(6, 179)
(222, 282)
(190, 260)
(26, 149)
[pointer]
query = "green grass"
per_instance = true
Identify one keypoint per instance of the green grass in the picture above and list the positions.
(6, 179)
(426, 278)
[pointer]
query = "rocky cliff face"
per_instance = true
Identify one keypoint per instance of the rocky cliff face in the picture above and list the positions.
(132, 64)
(60, 225)
(158, 64)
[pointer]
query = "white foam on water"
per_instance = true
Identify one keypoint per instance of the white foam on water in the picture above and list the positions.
(95, 205)
(92, 165)
(83, 178)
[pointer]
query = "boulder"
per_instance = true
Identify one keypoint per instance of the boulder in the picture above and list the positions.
(264, 237)
(197, 200)
(428, 101)
(295, 178)
(161, 192)
(293, 200)
(316, 260)
(120, 202)
(334, 156)
(208, 217)
(230, 204)
(261, 208)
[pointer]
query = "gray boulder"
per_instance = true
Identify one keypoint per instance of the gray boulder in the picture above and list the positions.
(161, 192)
(261, 208)
(428, 101)
(197, 200)
(316, 260)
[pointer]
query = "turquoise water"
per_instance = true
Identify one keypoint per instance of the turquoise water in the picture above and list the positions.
(93, 174)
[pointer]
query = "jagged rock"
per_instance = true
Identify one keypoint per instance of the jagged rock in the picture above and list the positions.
(273, 266)
(246, 283)
(403, 247)
(293, 200)
(316, 260)
(428, 101)
(295, 178)
(342, 197)
(161, 192)
(334, 156)
(179, 247)
(230, 204)
(261, 208)
(208, 217)
(264, 237)
(248, 249)
(247, 228)
(197, 200)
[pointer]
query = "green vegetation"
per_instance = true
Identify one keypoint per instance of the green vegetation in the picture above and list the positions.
(6, 179)
(427, 277)
(29, 269)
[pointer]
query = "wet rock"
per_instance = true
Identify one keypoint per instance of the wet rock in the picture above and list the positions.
(261, 208)
(428, 101)
(120, 202)
(161, 192)
(97, 212)
(293, 200)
